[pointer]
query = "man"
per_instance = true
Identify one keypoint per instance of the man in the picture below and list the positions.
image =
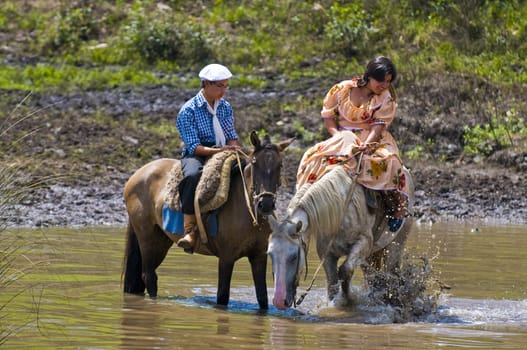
(206, 126)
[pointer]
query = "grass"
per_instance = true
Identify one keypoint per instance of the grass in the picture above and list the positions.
(91, 44)
(14, 267)
(66, 77)
(16, 184)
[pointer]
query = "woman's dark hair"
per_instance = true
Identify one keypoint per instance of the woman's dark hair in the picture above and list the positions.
(377, 69)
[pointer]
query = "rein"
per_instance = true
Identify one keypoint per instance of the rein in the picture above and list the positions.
(302, 244)
(252, 212)
(245, 190)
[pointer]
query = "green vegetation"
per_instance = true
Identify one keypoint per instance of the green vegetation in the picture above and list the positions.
(421, 151)
(496, 134)
(291, 38)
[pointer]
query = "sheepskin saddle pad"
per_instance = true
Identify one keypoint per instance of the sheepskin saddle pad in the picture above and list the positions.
(213, 187)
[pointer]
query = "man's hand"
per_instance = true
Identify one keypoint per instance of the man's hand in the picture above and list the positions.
(230, 148)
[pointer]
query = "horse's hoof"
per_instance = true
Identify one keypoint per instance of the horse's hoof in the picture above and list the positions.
(189, 251)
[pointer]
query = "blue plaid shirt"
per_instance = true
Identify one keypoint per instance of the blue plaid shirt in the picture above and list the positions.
(194, 123)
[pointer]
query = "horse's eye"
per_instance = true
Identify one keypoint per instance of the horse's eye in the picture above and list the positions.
(292, 259)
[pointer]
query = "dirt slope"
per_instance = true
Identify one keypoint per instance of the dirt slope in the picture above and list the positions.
(448, 184)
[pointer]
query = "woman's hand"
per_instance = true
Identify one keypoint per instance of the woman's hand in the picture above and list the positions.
(366, 148)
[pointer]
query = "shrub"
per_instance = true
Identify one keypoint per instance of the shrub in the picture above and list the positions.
(348, 28)
(163, 35)
(494, 135)
(72, 27)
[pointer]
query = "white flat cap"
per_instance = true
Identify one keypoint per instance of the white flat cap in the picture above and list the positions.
(215, 72)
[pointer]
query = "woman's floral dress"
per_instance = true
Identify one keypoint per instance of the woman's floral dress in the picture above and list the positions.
(381, 170)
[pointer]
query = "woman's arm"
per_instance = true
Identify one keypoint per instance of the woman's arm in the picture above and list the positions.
(373, 137)
(331, 126)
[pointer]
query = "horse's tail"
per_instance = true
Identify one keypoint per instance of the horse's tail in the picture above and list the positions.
(132, 264)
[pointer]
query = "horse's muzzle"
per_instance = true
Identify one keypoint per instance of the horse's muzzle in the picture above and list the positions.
(266, 205)
(282, 303)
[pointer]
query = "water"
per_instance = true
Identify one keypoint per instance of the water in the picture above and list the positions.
(65, 293)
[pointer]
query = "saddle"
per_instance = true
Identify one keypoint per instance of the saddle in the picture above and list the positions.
(213, 188)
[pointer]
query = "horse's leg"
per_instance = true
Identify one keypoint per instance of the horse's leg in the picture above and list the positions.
(154, 252)
(225, 268)
(259, 270)
(332, 280)
(133, 283)
(345, 277)
(358, 254)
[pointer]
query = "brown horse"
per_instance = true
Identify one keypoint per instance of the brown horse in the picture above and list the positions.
(237, 235)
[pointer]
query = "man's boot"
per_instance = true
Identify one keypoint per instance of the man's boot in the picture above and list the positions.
(188, 241)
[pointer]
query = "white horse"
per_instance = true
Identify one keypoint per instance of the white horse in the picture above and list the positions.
(335, 210)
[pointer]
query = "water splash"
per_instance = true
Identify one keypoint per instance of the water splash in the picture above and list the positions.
(412, 292)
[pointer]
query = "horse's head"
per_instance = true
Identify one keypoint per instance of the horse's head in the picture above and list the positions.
(287, 250)
(264, 172)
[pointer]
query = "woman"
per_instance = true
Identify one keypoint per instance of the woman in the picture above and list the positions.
(357, 114)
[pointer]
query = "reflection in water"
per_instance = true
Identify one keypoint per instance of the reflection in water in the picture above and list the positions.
(141, 320)
(223, 325)
(77, 300)
(283, 334)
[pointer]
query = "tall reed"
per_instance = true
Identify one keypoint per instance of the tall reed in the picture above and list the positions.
(16, 185)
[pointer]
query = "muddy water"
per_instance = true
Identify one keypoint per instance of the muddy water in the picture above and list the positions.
(65, 293)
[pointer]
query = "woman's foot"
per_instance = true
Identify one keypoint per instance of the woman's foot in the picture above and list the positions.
(399, 204)
(395, 224)
(396, 221)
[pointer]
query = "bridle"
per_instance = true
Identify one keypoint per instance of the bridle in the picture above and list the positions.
(302, 255)
(250, 190)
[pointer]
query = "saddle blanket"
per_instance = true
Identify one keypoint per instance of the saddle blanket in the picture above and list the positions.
(173, 221)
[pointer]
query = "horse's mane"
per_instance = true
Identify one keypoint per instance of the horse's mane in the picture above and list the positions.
(325, 201)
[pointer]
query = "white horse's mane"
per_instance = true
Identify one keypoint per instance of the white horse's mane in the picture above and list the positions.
(325, 201)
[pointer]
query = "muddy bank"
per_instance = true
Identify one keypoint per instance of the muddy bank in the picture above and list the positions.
(442, 194)
(455, 188)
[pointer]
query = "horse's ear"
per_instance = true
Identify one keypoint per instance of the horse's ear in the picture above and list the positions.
(272, 222)
(255, 140)
(298, 226)
(283, 145)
